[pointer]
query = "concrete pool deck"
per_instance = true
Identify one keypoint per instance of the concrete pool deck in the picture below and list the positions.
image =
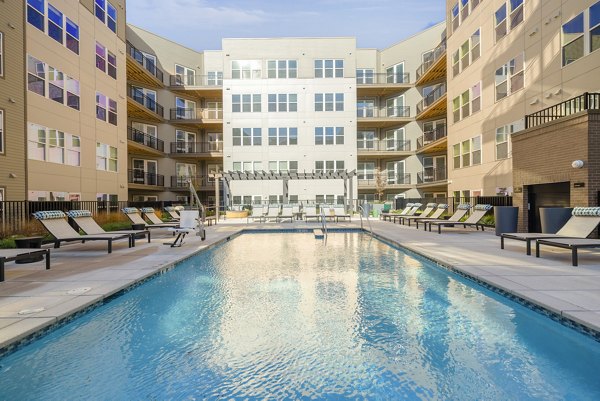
(82, 275)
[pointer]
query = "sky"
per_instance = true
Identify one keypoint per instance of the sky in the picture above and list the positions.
(201, 24)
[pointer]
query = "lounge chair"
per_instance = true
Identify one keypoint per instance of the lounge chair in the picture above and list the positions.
(257, 214)
(172, 212)
(429, 208)
(437, 212)
(272, 213)
(474, 219)
(287, 213)
(328, 211)
(55, 222)
(411, 212)
(583, 221)
(10, 255)
(87, 224)
(133, 215)
(188, 223)
(150, 214)
(460, 212)
(389, 215)
(310, 212)
(339, 211)
(296, 211)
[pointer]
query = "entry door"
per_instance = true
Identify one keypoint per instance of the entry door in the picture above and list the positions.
(138, 171)
(186, 141)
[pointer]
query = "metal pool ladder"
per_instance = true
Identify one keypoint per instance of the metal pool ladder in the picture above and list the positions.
(324, 225)
(361, 212)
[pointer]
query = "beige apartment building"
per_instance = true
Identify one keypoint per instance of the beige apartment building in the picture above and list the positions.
(284, 105)
(65, 128)
(508, 59)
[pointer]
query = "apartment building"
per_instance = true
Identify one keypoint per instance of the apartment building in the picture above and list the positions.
(281, 105)
(509, 59)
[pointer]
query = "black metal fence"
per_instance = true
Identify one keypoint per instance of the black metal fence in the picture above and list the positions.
(586, 101)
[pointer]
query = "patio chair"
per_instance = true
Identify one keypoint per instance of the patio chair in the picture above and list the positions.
(87, 224)
(286, 213)
(188, 223)
(583, 221)
(474, 219)
(429, 208)
(461, 211)
(272, 213)
(339, 211)
(172, 212)
(133, 215)
(257, 214)
(310, 212)
(411, 212)
(56, 223)
(389, 215)
(14, 255)
(437, 212)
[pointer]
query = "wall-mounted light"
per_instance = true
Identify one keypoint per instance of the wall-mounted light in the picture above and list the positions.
(533, 31)
(11, 25)
(12, 175)
(548, 95)
(534, 101)
(558, 91)
(577, 164)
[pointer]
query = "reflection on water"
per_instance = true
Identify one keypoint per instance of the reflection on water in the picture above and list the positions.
(274, 316)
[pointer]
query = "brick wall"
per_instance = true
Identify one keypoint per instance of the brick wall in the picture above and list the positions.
(543, 155)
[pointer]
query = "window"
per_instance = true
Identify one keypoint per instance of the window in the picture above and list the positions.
(214, 78)
(475, 45)
(365, 76)
(185, 76)
(72, 36)
(365, 108)
(329, 102)
(456, 63)
(510, 77)
(467, 153)
(246, 103)
(56, 84)
(395, 74)
(247, 137)
(365, 170)
(573, 40)
(455, 17)
(100, 57)
(467, 53)
(55, 24)
(594, 27)
(283, 166)
(282, 69)
(476, 98)
(329, 135)
(54, 146)
(283, 136)
(456, 155)
(329, 68)
(365, 139)
(107, 13)
(112, 111)
(476, 150)
(329, 166)
(283, 102)
(185, 142)
(503, 134)
(72, 87)
(244, 166)
(106, 157)
(245, 69)
(36, 76)
(464, 10)
(111, 68)
(106, 108)
(49, 82)
(467, 103)
(508, 17)
(35, 13)
(1, 131)
(1, 54)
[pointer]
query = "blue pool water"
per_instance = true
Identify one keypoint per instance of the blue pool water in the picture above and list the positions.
(281, 316)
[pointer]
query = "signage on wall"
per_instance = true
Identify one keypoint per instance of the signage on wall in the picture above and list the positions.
(579, 185)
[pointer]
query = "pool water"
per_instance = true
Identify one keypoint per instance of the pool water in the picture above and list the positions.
(283, 316)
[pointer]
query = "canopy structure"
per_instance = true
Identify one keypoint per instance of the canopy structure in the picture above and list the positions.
(285, 178)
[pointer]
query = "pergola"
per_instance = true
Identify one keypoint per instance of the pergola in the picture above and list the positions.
(285, 178)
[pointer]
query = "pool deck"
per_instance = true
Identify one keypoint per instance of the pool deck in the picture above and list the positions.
(82, 275)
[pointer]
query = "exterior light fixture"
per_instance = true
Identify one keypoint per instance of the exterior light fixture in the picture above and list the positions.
(577, 164)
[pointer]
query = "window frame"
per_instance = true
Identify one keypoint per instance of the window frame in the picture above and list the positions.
(246, 103)
(329, 101)
(277, 102)
(251, 68)
(329, 136)
(321, 68)
(509, 77)
(289, 137)
(254, 137)
(580, 36)
(276, 72)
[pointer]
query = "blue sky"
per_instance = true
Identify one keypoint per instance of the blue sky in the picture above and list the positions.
(201, 24)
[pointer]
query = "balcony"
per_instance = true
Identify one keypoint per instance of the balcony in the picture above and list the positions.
(434, 104)
(140, 106)
(389, 182)
(205, 150)
(383, 118)
(383, 148)
(139, 179)
(200, 182)
(206, 86)
(431, 176)
(382, 84)
(141, 142)
(434, 68)
(141, 69)
(199, 118)
(586, 101)
(433, 141)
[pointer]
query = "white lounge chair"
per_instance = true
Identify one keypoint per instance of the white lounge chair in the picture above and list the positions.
(257, 214)
(133, 215)
(310, 212)
(339, 211)
(411, 212)
(437, 212)
(474, 219)
(429, 208)
(287, 213)
(461, 211)
(272, 213)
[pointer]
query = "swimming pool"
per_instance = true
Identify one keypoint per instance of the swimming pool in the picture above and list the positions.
(283, 316)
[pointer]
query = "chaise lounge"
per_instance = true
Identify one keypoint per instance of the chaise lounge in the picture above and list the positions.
(474, 219)
(13, 255)
(87, 224)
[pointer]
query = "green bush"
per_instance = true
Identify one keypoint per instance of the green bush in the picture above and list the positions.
(116, 226)
(7, 243)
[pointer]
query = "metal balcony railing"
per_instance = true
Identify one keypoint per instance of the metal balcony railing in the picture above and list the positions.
(143, 178)
(384, 145)
(586, 101)
(431, 98)
(431, 136)
(196, 147)
(382, 78)
(394, 111)
(438, 53)
(199, 181)
(140, 97)
(196, 80)
(180, 113)
(400, 179)
(145, 139)
(430, 175)
(149, 65)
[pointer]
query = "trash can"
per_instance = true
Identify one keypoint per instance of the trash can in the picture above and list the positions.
(506, 218)
(553, 218)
